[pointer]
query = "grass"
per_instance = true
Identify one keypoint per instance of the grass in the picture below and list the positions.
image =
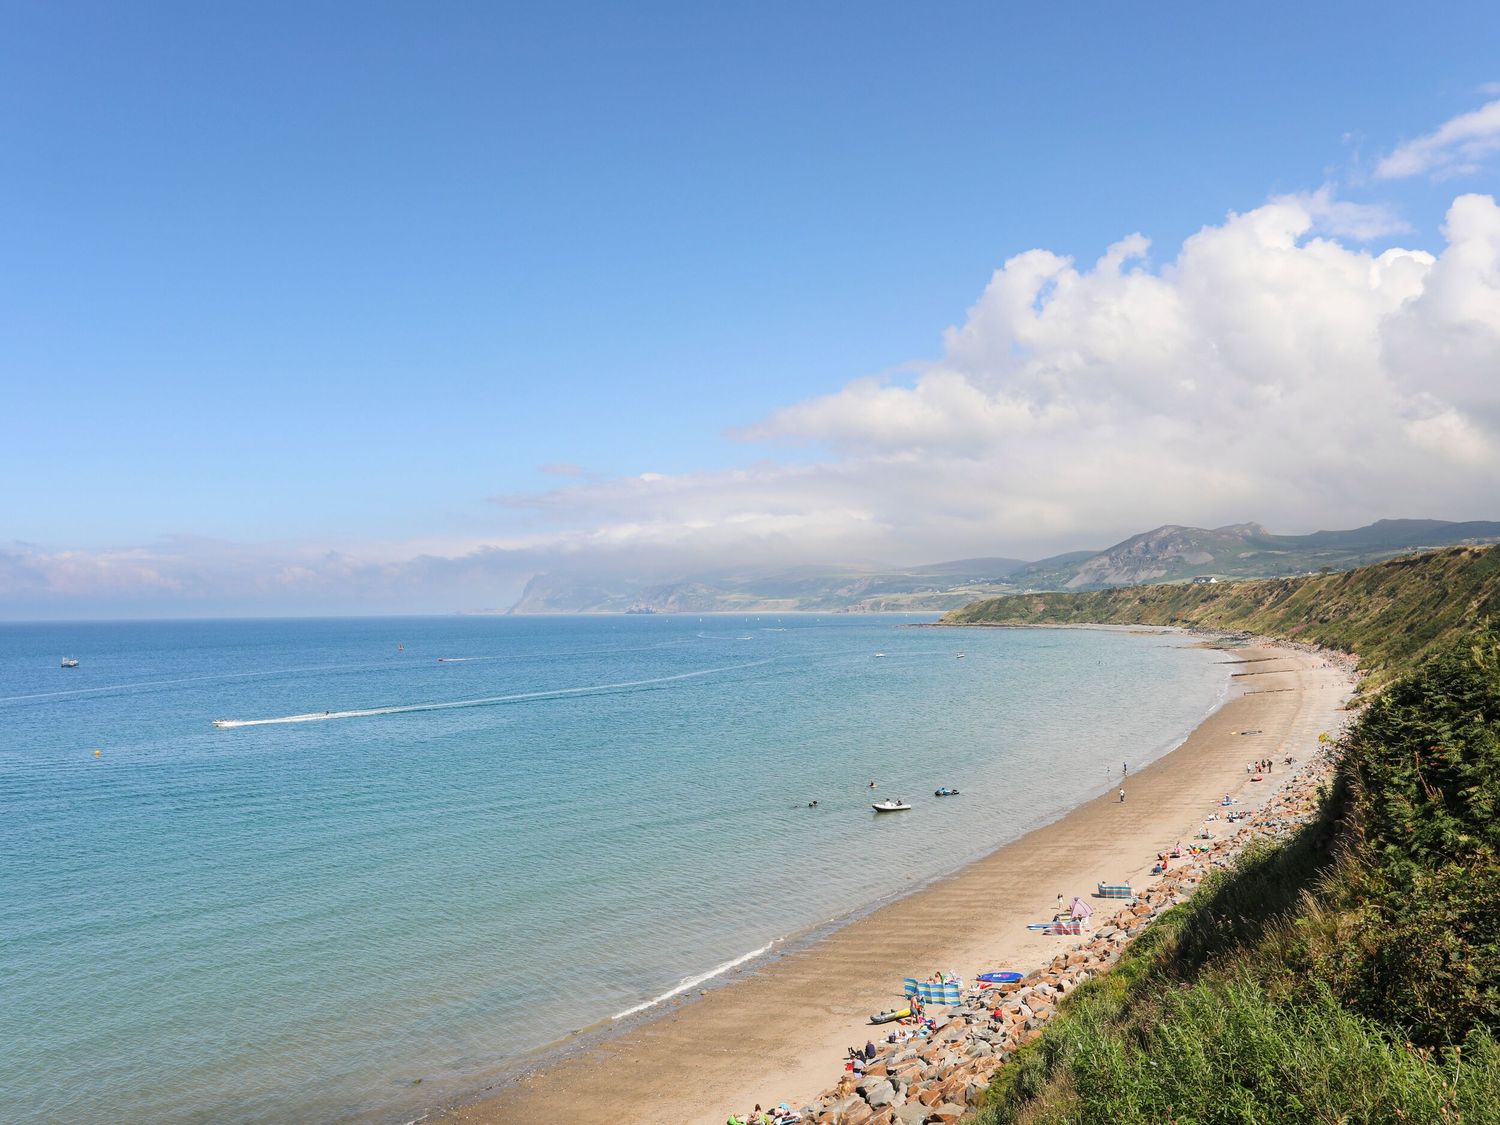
(1350, 975)
(1390, 614)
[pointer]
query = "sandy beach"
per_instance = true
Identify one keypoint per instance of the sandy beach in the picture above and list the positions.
(779, 1032)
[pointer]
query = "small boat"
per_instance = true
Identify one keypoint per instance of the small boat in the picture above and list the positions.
(878, 655)
(998, 978)
(945, 791)
(891, 1016)
(69, 662)
(896, 805)
(960, 656)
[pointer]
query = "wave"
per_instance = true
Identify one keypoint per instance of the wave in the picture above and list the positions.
(412, 708)
(701, 978)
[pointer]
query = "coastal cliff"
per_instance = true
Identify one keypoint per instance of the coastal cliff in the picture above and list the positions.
(1351, 972)
(1388, 614)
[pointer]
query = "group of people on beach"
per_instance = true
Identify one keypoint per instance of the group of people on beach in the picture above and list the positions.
(782, 1114)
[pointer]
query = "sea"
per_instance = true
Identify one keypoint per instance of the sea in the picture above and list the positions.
(416, 850)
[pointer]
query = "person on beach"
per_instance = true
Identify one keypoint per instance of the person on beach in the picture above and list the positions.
(869, 1050)
(1122, 796)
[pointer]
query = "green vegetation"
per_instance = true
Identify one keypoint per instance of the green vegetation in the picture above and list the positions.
(1389, 614)
(1351, 974)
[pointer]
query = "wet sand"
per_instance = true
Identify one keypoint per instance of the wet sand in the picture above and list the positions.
(779, 1033)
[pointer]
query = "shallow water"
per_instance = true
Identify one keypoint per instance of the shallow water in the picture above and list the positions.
(419, 868)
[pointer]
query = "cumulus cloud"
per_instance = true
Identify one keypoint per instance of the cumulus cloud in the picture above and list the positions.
(1344, 218)
(1270, 369)
(1265, 372)
(1456, 147)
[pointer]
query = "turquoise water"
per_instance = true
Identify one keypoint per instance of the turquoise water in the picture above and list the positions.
(299, 920)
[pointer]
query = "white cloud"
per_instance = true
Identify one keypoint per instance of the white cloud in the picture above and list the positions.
(1456, 147)
(1265, 372)
(1342, 218)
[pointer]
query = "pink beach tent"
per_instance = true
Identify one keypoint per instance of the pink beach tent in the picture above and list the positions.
(1080, 909)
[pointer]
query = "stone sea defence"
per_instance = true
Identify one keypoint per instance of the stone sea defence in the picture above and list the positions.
(940, 1077)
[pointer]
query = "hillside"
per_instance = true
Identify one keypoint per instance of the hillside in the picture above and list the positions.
(1350, 974)
(1170, 553)
(1247, 550)
(1387, 614)
(935, 586)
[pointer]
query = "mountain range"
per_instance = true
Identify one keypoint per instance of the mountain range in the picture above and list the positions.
(1170, 553)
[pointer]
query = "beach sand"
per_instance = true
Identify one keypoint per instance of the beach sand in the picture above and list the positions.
(780, 1032)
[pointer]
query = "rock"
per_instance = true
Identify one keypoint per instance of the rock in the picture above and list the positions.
(946, 1112)
(878, 1092)
(911, 1114)
(856, 1114)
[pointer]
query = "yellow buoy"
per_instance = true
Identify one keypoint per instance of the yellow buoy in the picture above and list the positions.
(98, 752)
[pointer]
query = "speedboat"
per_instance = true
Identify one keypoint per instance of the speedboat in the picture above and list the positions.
(945, 791)
(892, 805)
(69, 662)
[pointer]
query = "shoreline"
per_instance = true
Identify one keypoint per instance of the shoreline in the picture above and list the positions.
(776, 1028)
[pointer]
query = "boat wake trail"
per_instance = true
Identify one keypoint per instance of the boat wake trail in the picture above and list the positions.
(522, 697)
(694, 982)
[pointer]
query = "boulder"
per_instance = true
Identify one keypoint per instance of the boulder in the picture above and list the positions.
(877, 1091)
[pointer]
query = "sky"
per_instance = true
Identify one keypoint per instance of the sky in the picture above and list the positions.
(341, 308)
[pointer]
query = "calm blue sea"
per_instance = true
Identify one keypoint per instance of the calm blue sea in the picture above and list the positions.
(357, 915)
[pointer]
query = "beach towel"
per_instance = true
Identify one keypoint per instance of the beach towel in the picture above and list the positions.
(932, 992)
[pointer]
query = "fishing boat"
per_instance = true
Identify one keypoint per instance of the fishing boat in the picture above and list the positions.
(69, 662)
(892, 805)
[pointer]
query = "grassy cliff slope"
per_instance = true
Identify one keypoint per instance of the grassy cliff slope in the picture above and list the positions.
(1351, 983)
(1388, 614)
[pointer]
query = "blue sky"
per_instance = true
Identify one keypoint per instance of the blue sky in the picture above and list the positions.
(337, 276)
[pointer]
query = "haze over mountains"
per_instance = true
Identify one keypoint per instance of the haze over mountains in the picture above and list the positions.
(1165, 554)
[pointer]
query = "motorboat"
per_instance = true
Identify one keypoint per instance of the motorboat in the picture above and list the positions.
(945, 791)
(891, 805)
(69, 662)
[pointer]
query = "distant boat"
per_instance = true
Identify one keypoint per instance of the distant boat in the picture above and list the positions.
(896, 805)
(959, 656)
(878, 655)
(945, 791)
(69, 662)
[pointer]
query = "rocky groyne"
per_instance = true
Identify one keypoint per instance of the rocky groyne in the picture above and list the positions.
(940, 1076)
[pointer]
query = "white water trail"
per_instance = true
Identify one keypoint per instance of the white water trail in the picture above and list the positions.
(693, 982)
(410, 708)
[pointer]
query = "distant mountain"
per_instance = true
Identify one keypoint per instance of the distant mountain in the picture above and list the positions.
(1165, 554)
(1247, 550)
(944, 585)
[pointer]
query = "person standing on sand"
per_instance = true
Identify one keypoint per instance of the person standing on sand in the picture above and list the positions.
(1122, 796)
